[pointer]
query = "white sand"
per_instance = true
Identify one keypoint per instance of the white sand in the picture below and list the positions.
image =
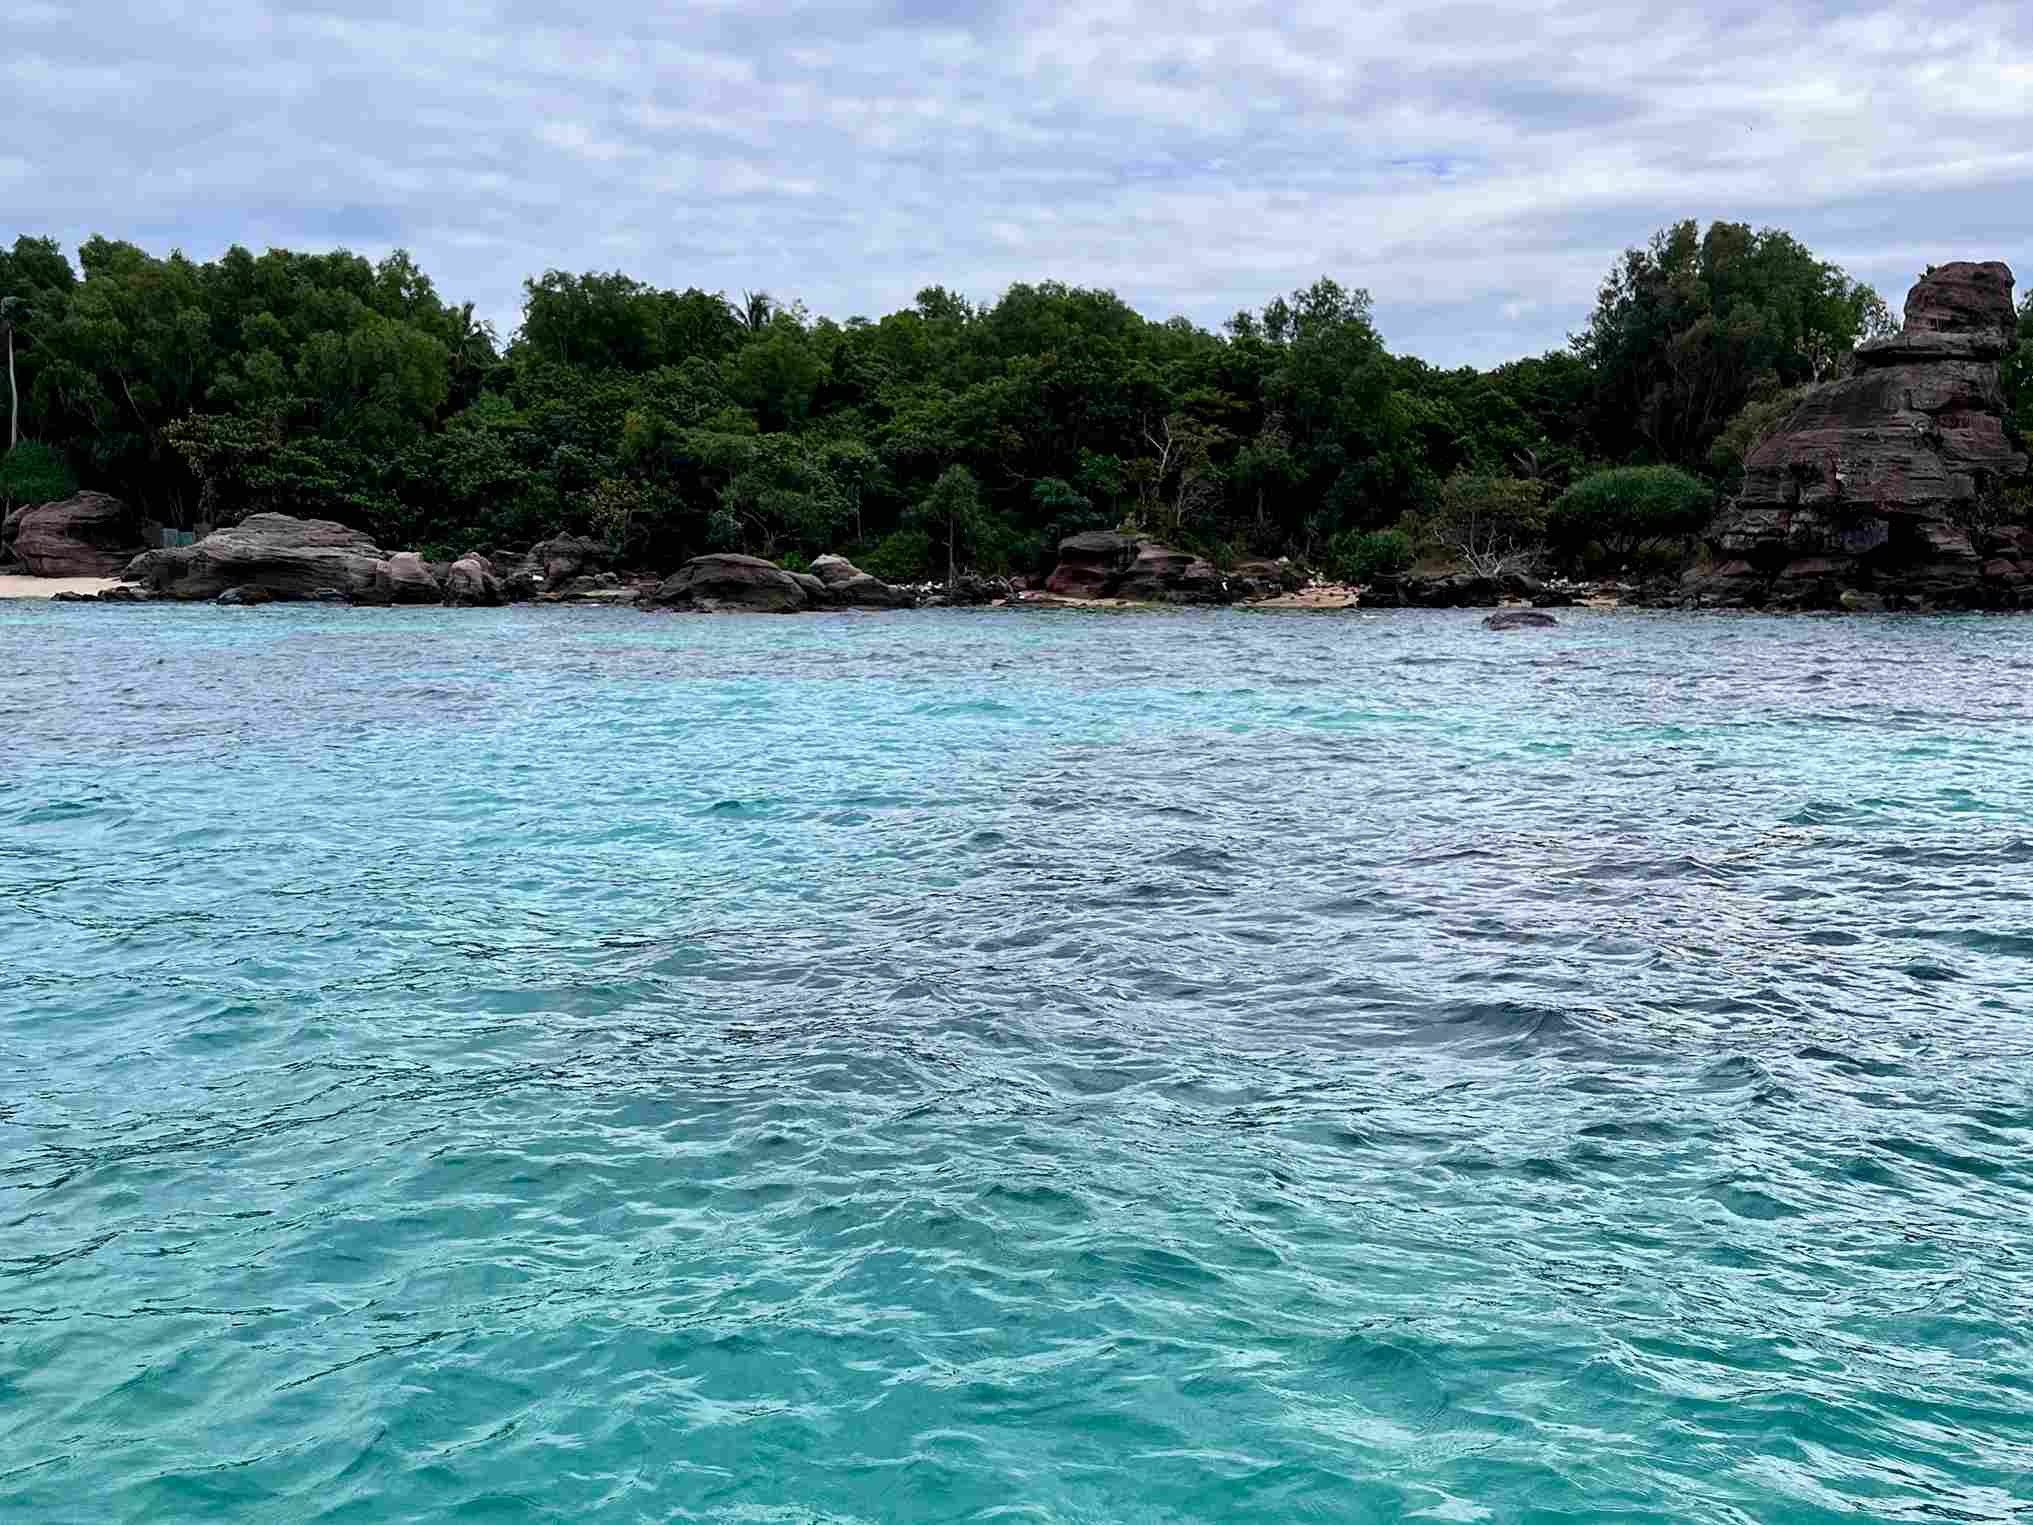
(49, 587)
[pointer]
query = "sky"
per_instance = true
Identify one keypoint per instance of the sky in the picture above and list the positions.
(1476, 167)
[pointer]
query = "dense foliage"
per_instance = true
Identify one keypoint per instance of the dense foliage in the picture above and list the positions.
(945, 435)
(1629, 508)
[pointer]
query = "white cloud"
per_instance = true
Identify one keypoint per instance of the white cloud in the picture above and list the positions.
(1477, 166)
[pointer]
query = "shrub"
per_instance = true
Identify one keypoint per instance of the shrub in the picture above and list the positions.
(1630, 507)
(794, 561)
(1359, 558)
(34, 473)
(1490, 524)
(905, 555)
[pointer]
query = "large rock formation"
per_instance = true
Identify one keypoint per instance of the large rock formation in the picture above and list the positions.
(1091, 564)
(726, 582)
(1103, 564)
(1884, 482)
(90, 535)
(1164, 576)
(290, 558)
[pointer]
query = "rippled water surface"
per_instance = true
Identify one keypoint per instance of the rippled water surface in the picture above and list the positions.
(564, 1065)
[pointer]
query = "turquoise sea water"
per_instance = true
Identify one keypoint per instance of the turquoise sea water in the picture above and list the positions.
(576, 1065)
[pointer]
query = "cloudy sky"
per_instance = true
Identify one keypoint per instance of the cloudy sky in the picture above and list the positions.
(1476, 166)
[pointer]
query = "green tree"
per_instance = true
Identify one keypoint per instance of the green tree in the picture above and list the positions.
(1688, 329)
(951, 514)
(1629, 508)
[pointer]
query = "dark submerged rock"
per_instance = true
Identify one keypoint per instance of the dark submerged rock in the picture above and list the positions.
(1518, 619)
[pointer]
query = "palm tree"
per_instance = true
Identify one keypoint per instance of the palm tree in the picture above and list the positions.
(755, 311)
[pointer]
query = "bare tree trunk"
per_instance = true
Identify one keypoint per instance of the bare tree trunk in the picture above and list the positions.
(13, 395)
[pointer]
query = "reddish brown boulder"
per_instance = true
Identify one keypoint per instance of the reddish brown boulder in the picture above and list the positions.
(1103, 564)
(1161, 575)
(1090, 564)
(1962, 298)
(90, 535)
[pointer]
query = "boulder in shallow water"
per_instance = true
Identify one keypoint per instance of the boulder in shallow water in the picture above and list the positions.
(244, 597)
(1518, 619)
(91, 535)
(724, 582)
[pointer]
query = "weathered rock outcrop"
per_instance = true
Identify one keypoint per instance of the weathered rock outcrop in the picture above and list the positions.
(290, 558)
(846, 584)
(1162, 575)
(403, 579)
(726, 582)
(1881, 483)
(90, 535)
(1091, 564)
(471, 582)
(563, 557)
(1103, 564)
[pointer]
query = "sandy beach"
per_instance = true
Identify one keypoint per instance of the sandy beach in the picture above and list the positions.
(49, 587)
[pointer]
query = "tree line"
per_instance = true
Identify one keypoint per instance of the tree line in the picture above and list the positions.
(951, 434)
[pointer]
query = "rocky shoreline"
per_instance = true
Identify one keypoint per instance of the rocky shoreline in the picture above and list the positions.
(276, 558)
(1896, 487)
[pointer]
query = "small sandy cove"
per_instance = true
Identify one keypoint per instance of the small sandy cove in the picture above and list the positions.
(49, 587)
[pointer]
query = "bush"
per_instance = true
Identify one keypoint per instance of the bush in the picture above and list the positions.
(1491, 524)
(1359, 558)
(903, 556)
(1628, 508)
(34, 473)
(794, 561)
